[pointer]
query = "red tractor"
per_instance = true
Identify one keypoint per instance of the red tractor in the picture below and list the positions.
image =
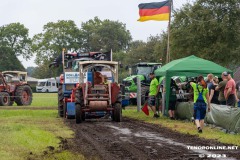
(13, 90)
(95, 97)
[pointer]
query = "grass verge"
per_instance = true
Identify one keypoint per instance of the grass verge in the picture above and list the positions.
(184, 127)
(34, 134)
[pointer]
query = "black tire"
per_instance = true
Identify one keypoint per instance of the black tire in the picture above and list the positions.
(4, 99)
(60, 101)
(78, 110)
(117, 112)
(79, 97)
(79, 100)
(112, 116)
(65, 110)
(47, 91)
(23, 95)
(11, 103)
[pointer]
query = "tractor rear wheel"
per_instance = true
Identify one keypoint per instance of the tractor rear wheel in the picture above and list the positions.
(65, 110)
(23, 95)
(60, 101)
(78, 109)
(117, 113)
(4, 99)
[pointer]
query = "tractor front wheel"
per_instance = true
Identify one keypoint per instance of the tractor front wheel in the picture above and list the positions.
(78, 113)
(4, 99)
(117, 113)
(23, 95)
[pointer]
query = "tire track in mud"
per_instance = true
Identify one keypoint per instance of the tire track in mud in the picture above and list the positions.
(131, 139)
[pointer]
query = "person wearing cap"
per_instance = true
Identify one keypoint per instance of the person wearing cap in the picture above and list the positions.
(230, 90)
(201, 100)
(153, 91)
(221, 86)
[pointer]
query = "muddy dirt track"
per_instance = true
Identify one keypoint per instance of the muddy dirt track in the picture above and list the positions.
(130, 139)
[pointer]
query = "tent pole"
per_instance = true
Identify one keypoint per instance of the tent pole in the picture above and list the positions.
(169, 23)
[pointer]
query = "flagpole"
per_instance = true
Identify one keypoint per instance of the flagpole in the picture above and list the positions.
(168, 42)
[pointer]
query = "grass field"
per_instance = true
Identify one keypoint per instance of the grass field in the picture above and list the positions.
(43, 100)
(184, 127)
(33, 133)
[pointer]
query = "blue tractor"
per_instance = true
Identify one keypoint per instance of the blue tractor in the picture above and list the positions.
(70, 78)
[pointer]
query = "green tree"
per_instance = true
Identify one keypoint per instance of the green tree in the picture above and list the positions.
(30, 70)
(43, 71)
(56, 36)
(14, 41)
(15, 37)
(9, 61)
(208, 29)
(150, 51)
(105, 35)
(121, 58)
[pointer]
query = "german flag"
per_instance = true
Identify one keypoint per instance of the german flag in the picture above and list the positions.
(158, 11)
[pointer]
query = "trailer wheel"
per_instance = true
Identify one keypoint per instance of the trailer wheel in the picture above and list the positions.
(117, 113)
(4, 99)
(78, 113)
(60, 101)
(23, 95)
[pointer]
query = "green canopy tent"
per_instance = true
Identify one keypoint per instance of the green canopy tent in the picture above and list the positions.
(191, 66)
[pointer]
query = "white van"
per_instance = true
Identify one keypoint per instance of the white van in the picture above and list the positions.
(47, 85)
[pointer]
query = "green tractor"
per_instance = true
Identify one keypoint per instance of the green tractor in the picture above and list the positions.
(141, 70)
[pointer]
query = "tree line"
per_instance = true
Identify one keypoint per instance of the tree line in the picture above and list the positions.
(207, 28)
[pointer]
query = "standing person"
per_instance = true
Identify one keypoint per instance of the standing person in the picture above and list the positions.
(153, 91)
(201, 99)
(161, 92)
(172, 99)
(230, 90)
(213, 98)
(221, 86)
(209, 81)
(238, 92)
